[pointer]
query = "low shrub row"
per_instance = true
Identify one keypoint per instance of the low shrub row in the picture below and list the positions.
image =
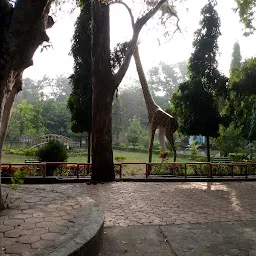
(202, 170)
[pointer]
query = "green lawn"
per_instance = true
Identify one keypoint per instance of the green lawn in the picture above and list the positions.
(14, 159)
(143, 157)
(130, 157)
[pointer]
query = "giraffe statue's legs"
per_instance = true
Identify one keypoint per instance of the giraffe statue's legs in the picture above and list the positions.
(153, 131)
(161, 138)
(170, 138)
(149, 133)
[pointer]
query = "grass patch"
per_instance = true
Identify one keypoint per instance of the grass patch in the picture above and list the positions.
(130, 157)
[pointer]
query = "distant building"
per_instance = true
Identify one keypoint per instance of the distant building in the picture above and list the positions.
(199, 139)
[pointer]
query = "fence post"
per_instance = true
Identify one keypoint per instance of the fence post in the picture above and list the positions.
(185, 170)
(210, 170)
(246, 173)
(77, 171)
(120, 172)
(44, 169)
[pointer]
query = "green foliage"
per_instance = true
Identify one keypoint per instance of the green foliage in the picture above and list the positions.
(240, 107)
(246, 12)
(140, 150)
(43, 116)
(21, 122)
(236, 58)
(195, 103)
(166, 78)
(80, 99)
(193, 149)
(134, 132)
(118, 55)
(229, 139)
(196, 109)
(236, 156)
(53, 151)
(17, 179)
(25, 152)
(120, 158)
(243, 80)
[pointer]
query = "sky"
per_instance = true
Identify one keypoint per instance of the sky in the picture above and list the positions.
(57, 60)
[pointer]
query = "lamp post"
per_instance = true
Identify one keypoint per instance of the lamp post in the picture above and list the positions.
(61, 130)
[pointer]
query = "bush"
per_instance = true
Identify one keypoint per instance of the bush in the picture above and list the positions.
(120, 158)
(24, 152)
(235, 156)
(53, 151)
(30, 151)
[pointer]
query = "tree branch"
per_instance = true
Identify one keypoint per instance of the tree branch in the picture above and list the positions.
(118, 77)
(129, 10)
(27, 30)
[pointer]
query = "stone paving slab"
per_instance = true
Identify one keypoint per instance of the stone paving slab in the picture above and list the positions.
(206, 239)
(135, 241)
(47, 209)
(131, 203)
(44, 221)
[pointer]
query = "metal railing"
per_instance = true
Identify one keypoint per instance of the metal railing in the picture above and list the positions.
(83, 169)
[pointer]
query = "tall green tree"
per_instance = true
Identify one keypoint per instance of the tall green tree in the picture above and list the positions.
(195, 103)
(229, 139)
(135, 132)
(80, 99)
(21, 122)
(241, 107)
(236, 57)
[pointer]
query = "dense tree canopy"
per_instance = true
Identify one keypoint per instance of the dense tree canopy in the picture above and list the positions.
(165, 78)
(236, 57)
(195, 102)
(80, 99)
(246, 11)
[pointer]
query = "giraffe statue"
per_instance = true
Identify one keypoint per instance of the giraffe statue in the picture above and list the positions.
(157, 117)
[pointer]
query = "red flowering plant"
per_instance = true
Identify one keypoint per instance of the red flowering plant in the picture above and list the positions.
(164, 156)
(69, 170)
(8, 171)
(163, 169)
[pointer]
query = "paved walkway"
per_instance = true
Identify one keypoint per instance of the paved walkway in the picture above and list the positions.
(124, 204)
(40, 220)
(138, 203)
(208, 239)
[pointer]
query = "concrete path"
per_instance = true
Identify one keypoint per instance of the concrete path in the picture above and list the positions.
(45, 221)
(208, 239)
(138, 203)
(183, 218)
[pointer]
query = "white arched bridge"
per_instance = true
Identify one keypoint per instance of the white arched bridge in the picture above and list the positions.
(39, 141)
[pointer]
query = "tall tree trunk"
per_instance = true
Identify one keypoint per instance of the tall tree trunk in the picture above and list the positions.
(104, 85)
(22, 30)
(208, 148)
(89, 146)
(102, 154)
(5, 121)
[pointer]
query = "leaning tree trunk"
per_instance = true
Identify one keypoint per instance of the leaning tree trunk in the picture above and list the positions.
(22, 30)
(5, 121)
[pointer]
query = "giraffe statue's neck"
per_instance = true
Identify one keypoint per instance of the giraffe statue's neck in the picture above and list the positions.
(150, 103)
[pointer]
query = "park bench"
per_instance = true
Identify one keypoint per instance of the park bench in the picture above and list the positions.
(32, 161)
(221, 160)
